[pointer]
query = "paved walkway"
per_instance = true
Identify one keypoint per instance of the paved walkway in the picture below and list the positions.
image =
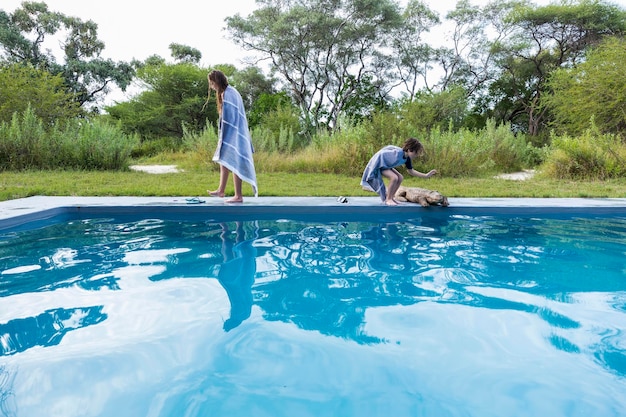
(156, 169)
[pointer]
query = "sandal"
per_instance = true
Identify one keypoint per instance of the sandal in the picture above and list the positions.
(194, 200)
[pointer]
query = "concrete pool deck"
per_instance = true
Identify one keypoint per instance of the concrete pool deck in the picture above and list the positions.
(23, 210)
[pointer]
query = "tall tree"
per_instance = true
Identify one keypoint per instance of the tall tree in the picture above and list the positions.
(251, 84)
(469, 59)
(173, 95)
(323, 49)
(184, 53)
(547, 38)
(22, 86)
(88, 76)
(412, 55)
(594, 90)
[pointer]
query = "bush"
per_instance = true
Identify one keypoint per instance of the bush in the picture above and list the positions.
(279, 131)
(492, 149)
(93, 145)
(590, 156)
(152, 147)
(443, 110)
(23, 142)
(495, 148)
(386, 128)
(202, 144)
(79, 144)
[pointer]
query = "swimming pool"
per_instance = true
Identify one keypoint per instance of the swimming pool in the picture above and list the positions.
(309, 310)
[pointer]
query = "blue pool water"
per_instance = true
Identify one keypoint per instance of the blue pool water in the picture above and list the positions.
(438, 314)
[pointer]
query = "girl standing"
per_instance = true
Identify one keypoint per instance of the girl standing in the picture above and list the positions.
(234, 148)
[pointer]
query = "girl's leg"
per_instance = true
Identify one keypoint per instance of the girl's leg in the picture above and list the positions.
(223, 180)
(238, 197)
(395, 179)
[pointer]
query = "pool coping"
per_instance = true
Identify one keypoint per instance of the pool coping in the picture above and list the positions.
(23, 210)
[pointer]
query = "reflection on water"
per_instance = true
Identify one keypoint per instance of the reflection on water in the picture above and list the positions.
(46, 329)
(236, 274)
(567, 276)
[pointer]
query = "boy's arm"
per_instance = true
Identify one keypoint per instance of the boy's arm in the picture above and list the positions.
(415, 173)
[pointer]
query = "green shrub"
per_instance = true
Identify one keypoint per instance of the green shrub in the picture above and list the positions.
(385, 128)
(279, 131)
(494, 148)
(347, 150)
(151, 147)
(283, 140)
(344, 151)
(78, 144)
(443, 110)
(202, 144)
(94, 145)
(590, 156)
(22, 141)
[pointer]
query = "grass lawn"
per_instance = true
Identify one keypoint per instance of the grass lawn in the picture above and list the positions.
(195, 183)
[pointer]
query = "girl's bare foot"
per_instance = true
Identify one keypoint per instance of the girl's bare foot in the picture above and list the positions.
(234, 200)
(215, 193)
(391, 203)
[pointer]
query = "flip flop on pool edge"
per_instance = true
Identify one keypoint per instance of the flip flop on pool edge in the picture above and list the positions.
(194, 200)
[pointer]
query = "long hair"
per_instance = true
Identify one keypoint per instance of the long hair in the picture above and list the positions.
(221, 82)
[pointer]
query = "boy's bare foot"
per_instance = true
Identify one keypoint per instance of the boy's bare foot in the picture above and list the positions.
(234, 200)
(215, 193)
(391, 203)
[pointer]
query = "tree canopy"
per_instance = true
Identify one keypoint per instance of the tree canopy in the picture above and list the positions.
(545, 39)
(323, 49)
(173, 95)
(22, 86)
(593, 91)
(88, 76)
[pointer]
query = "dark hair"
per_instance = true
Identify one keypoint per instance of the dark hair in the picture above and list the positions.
(221, 82)
(414, 145)
(219, 79)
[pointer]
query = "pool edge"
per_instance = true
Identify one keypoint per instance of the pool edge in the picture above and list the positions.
(24, 210)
